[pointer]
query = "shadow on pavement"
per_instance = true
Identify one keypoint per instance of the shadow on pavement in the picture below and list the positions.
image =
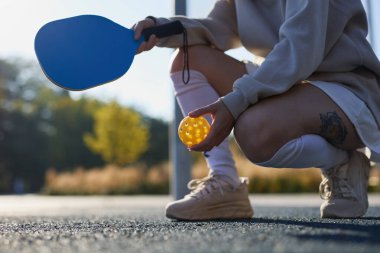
(339, 230)
(360, 230)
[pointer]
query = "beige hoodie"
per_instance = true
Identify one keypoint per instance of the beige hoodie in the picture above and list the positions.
(300, 40)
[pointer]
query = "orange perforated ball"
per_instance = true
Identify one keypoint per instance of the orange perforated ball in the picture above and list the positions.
(192, 131)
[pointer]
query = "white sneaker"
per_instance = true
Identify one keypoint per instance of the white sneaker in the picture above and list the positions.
(212, 198)
(344, 188)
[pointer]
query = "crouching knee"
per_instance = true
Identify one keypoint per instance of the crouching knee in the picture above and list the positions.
(200, 58)
(253, 135)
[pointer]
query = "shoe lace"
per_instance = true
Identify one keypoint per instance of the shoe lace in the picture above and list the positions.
(325, 189)
(335, 184)
(202, 187)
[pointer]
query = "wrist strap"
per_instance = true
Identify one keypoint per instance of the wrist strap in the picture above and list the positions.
(185, 46)
(186, 68)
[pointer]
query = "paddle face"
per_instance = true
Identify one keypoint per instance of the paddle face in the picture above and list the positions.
(85, 51)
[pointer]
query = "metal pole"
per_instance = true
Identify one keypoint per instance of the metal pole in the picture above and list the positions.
(370, 23)
(181, 159)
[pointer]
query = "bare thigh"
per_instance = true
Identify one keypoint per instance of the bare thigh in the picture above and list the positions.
(304, 109)
(220, 69)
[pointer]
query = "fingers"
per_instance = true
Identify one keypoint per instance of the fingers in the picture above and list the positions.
(221, 127)
(209, 109)
(138, 28)
(141, 25)
(209, 143)
(147, 45)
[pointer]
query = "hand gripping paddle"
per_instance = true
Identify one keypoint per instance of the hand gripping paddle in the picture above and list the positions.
(85, 51)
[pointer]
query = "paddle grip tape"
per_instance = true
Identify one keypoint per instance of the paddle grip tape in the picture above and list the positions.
(166, 30)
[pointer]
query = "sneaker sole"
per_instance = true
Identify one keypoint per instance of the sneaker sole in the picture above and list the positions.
(215, 213)
(325, 215)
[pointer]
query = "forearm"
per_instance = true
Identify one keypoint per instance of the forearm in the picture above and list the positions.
(219, 29)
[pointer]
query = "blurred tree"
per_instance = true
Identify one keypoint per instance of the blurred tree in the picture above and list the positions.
(22, 136)
(70, 120)
(158, 150)
(23, 149)
(119, 134)
(40, 127)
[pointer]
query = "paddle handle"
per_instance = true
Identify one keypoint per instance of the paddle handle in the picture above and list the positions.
(165, 30)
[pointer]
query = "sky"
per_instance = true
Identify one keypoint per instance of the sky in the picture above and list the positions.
(146, 86)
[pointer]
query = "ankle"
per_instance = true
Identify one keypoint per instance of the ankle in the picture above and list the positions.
(231, 180)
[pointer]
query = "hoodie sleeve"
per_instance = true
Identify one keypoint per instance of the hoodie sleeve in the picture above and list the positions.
(295, 57)
(219, 29)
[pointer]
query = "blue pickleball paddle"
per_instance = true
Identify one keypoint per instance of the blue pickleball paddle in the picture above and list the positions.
(85, 51)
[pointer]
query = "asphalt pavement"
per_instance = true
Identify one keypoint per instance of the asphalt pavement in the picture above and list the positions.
(282, 223)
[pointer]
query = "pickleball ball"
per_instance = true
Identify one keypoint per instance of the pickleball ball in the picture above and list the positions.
(192, 131)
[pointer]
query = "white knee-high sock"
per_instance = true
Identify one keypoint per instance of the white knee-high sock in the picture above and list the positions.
(193, 95)
(307, 151)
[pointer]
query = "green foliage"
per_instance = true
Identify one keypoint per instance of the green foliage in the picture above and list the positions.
(42, 127)
(23, 139)
(71, 119)
(120, 136)
(158, 150)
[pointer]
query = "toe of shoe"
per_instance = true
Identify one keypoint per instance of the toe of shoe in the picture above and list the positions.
(170, 210)
(175, 210)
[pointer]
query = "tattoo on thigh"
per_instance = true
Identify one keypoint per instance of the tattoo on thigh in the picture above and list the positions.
(333, 128)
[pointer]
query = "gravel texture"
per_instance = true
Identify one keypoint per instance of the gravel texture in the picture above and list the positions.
(144, 228)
